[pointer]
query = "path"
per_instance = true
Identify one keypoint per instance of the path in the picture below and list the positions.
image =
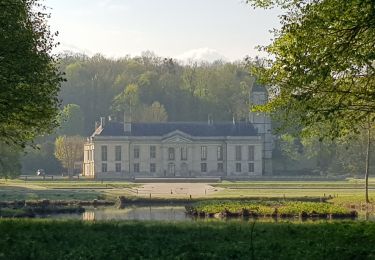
(177, 189)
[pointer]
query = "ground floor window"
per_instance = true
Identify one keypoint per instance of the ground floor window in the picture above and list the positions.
(152, 167)
(203, 167)
(220, 167)
(104, 167)
(136, 167)
(118, 167)
(238, 167)
(251, 167)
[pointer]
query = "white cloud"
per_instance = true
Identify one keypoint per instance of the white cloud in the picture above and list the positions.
(201, 54)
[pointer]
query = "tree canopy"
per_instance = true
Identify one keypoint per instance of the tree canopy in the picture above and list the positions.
(29, 79)
(323, 70)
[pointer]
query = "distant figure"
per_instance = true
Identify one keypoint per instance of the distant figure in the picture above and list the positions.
(40, 172)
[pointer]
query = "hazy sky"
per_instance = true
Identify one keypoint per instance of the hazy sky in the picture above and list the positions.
(182, 29)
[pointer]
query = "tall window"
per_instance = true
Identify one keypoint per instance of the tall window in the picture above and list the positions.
(136, 152)
(183, 153)
(118, 167)
(203, 152)
(171, 153)
(152, 167)
(203, 167)
(136, 167)
(251, 153)
(220, 167)
(238, 153)
(104, 153)
(251, 167)
(238, 167)
(118, 153)
(171, 168)
(104, 167)
(152, 151)
(220, 153)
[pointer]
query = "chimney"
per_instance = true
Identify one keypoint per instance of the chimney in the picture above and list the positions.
(127, 123)
(102, 122)
(210, 121)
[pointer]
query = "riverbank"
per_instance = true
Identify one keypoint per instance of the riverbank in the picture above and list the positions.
(43, 239)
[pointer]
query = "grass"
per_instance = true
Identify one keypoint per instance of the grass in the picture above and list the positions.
(43, 239)
(89, 189)
(268, 208)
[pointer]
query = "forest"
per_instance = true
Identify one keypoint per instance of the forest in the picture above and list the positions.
(161, 89)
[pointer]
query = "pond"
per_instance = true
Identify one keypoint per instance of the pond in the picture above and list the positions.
(164, 213)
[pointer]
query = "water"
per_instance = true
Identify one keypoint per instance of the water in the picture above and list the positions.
(157, 213)
(167, 213)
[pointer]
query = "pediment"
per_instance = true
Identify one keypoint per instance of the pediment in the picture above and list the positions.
(177, 137)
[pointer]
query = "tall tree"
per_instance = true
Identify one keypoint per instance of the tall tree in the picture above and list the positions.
(29, 79)
(68, 150)
(323, 71)
(71, 120)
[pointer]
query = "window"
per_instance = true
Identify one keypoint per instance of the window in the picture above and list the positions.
(87, 156)
(183, 153)
(152, 167)
(220, 153)
(118, 167)
(251, 152)
(220, 167)
(104, 167)
(171, 153)
(117, 153)
(171, 168)
(136, 167)
(152, 151)
(238, 153)
(203, 167)
(238, 167)
(251, 167)
(104, 153)
(203, 153)
(136, 152)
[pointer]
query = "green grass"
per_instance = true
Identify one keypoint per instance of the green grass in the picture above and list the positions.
(266, 208)
(15, 193)
(41, 239)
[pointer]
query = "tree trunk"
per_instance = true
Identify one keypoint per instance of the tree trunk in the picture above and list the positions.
(367, 158)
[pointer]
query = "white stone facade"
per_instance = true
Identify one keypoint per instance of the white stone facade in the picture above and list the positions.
(164, 156)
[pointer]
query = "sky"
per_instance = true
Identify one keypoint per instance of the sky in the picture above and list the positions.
(180, 29)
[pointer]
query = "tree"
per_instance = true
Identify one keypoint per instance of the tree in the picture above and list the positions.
(154, 113)
(128, 101)
(29, 79)
(9, 163)
(323, 72)
(71, 120)
(68, 150)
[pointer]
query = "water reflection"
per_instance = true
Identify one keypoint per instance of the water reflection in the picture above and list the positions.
(137, 213)
(177, 213)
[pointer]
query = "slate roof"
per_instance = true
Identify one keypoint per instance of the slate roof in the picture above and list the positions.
(194, 129)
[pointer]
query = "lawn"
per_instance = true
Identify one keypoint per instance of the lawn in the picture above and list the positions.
(45, 239)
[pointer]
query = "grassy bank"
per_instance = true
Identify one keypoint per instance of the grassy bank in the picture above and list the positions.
(33, 239)
(232, 208)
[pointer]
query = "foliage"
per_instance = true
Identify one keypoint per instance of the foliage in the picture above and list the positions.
(71, 120)
(43, 239)
(102, 86)
(68, 150)
(269, 207)
(9, 161)
(41, 157)
(29, 79)
(323, 71)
